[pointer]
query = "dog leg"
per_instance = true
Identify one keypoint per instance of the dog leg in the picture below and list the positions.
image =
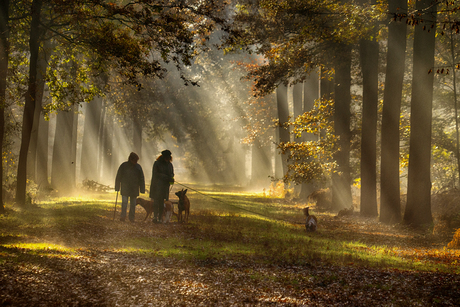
(167, 217)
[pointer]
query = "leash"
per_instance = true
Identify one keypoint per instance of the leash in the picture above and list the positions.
(234, 206)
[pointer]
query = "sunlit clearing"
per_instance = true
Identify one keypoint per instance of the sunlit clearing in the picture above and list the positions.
(43, 250)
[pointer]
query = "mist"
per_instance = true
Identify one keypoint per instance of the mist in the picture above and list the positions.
(206, 127)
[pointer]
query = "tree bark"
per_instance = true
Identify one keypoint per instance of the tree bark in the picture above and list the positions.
(4, 55)
(261, 169)
(369, 53)
(32, 156)
(63, 165)
(341, 180)
(310, 94)
(29, 107)
(390, 206)
(283, 115)
(90, 141)
(42, 154)
(137, 136)
(107, 163)
(418, 207)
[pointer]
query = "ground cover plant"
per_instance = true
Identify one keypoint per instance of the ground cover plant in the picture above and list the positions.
(238, 249)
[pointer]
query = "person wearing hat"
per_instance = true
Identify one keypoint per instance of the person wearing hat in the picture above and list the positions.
(130, 178)
(162, 178)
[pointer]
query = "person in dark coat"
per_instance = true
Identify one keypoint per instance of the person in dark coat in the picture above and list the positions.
(131, 179)
(162, 178)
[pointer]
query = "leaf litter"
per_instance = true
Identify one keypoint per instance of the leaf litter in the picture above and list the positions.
(97, 274)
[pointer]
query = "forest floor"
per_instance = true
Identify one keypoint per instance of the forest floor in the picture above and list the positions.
(53, 257)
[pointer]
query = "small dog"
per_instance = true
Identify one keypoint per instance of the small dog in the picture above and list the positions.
(167, 212)
(147, 205)
(311, 222)
(183, 205)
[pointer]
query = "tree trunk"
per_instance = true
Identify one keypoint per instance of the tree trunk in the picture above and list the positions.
(107, 163)
(32, 156)
(283, 115)
(137, 136)
(42, 154)
(261, 169)
(310, 94)
(369, 53)
(341, 179)
(390, 206)
(297, 99)
(63, 166)
(29, 107)
(90, 141)
(418, 207)
(4, 54)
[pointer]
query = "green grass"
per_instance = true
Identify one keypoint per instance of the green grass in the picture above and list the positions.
(222, 227)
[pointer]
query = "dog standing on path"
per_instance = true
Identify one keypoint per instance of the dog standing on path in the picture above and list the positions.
(183, 205)
(147, 205)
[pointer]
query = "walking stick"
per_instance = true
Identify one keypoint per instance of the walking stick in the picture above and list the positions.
(115, 209)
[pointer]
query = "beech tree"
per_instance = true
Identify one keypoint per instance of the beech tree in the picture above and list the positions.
(369, 59)
(390, 207)
(283, 118)
(4, 55)
(418, 207)
(294, 38)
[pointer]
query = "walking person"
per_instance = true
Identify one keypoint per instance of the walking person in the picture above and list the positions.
(162, 178)
(131, 179)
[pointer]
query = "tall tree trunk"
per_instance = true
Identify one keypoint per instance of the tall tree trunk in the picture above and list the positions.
(454, 82)
(390, 206)
(341, 180)
(4, 54)
(100, 144)
(369, 53)
(32, 156)
(42, 154)
(297, 100)
(63, 166)
(73, 148)
(137, 136)
(283, 115)
(418, 207)
(90, 141)
(29, 107)
(261, 169)
(310, 94)
(107, 164)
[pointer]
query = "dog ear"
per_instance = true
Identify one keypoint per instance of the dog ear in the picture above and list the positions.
(185, 191)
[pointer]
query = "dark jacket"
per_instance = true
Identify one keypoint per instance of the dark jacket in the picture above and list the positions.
(131, 178)
(162, 175)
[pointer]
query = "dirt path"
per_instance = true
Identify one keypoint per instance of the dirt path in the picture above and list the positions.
(98, 276)
(101, 278)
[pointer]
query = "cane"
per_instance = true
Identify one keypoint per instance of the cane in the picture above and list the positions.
(115, 209)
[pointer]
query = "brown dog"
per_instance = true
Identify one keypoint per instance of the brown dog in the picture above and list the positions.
(147, 205)
(183, 205)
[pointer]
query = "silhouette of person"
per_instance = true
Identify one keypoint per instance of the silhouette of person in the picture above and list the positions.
(130, 177)
(162, 178)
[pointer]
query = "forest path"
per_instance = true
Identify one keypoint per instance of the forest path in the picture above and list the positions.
(98, 269)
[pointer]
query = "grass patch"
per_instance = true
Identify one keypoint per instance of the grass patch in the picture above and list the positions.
(222, 227)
